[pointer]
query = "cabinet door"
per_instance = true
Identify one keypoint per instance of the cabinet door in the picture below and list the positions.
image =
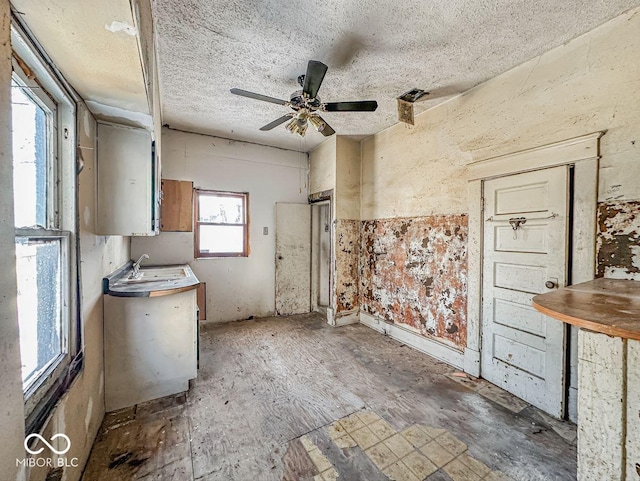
(177, 206)
(125, 181)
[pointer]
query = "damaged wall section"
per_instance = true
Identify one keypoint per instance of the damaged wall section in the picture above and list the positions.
(347, 234)
(618, 242)
(413, 272)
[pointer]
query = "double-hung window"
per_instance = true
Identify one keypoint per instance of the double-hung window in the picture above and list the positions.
(222, 226)
(44, 194)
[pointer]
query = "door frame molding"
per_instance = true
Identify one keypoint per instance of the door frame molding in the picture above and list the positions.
(584, 154)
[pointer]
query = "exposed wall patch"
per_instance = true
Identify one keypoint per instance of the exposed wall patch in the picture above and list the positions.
(618, 243)
(123, 27)
(413, 272)
(347, 256)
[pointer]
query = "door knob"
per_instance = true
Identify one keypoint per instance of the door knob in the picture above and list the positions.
(280, 258)
(550, 284)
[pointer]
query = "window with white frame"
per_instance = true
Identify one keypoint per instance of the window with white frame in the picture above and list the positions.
(43, 143)
(221, 224)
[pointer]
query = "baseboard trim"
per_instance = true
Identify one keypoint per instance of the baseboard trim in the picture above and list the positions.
(472, 362)
(345, 318)
(435, 349)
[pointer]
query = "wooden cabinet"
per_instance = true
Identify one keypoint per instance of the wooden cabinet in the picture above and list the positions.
(128, 187)
(202, 300)
(177, 206)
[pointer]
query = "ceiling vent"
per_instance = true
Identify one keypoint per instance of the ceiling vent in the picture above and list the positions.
(405, 104)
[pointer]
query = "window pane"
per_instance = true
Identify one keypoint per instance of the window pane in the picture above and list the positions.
(39, 310)
(29, 159)
(222, 209)
(221, 239)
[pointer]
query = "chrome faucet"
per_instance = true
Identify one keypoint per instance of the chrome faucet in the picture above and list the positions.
(136, 266)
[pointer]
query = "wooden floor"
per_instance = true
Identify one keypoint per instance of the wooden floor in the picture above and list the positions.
(295, 399)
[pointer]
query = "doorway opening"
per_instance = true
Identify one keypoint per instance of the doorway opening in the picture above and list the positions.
(321, 256)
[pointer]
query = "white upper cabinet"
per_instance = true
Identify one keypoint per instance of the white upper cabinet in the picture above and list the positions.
(128, 187)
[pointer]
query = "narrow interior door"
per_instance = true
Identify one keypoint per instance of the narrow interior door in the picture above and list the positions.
(293, 258)
(525, 253)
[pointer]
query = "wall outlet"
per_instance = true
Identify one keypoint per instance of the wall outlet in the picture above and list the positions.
(265, 231)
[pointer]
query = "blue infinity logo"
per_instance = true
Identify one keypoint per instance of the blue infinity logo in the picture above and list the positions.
(55, 436)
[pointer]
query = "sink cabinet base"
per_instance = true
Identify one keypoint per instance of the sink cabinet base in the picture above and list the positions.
(150, 347)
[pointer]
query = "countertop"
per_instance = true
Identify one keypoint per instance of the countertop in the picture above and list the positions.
(609, 306)
(116, 284)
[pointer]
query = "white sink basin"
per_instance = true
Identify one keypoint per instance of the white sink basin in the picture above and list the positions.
(147, 274)
(162, 272)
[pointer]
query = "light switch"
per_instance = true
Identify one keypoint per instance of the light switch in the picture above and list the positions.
(265, 231)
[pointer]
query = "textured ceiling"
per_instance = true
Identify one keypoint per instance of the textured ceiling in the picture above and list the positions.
(374, 49)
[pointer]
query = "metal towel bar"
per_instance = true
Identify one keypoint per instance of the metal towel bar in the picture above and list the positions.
(552, 216)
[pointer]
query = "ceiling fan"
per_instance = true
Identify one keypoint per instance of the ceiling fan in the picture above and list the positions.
(306, 104)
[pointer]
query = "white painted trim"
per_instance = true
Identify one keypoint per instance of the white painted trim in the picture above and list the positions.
(585, 206)
(472, 362)
(572, 405)
(330, 317)
(474, 268)
(345, 318)
(420, 343)
(584, 153)
(550, 155)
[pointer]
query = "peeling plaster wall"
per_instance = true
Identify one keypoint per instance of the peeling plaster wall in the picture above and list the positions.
(347, 233)
(413, 273)
(81, 410)
(347, 226)
(237, 287)
(591, 83)
(12, 414)
(618, 242)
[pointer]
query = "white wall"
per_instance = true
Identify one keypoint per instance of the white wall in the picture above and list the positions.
(322, 162)
(236, 287)
(347, 178)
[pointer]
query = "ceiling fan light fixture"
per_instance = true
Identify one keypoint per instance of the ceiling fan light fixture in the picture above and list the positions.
(297, 126)
(317, 123)
(306, 104)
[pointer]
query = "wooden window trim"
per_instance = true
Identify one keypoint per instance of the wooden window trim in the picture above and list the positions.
(197, 223)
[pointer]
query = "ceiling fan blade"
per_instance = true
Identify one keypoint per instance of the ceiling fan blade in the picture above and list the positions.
(313, 78)
(276, 122)
(360, 106)
(264, 98)
(327, 131)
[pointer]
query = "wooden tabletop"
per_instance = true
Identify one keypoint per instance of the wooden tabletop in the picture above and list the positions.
(610, 306)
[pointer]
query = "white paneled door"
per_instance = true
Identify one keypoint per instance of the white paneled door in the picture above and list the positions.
(293, 258)
(525, 253)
